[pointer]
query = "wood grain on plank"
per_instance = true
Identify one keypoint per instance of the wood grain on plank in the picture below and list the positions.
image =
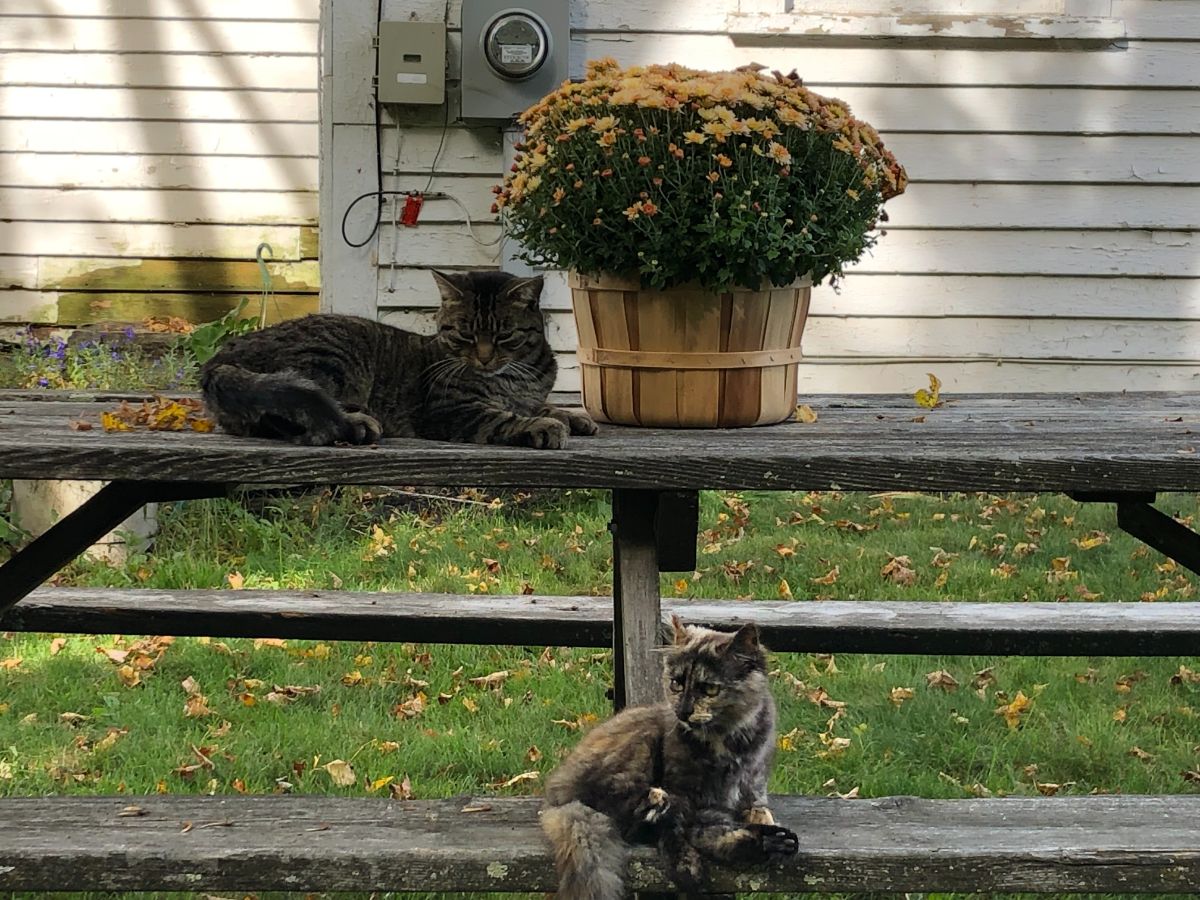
(1100, 843)
(877, 626)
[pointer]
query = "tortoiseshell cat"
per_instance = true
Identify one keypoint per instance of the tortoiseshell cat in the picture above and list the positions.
(483, 378)
(689, 774)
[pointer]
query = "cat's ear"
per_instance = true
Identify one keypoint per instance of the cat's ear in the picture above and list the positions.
(679, 632)
(526, 291)
(745, 641)
(447, 285)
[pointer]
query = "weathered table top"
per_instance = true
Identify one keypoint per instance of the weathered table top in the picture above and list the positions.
(1093, 442)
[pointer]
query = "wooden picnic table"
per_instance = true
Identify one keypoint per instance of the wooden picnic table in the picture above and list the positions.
(1117, 448)
(1121, 448)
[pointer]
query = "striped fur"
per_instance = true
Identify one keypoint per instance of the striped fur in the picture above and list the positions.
(483, 378)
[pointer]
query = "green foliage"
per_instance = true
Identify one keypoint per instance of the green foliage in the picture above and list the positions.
(205, 340)
(114, 362)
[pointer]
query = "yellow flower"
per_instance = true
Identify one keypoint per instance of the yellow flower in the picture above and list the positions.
(534, 183)
(851, 193)
(575, 124)
(604, 124)
(634, 211)
(559, 193)
(649, 208)
(713, 177)
(694, 137)
(779, 153)
(789, 116)
(724, 161)
(719, 131)
(607, 139)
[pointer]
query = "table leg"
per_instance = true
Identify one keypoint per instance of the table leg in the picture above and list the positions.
(637, 613)
(1137, 516)
(68, 538)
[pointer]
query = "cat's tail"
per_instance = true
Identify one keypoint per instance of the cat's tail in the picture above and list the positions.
(588, 852)
(283, 405)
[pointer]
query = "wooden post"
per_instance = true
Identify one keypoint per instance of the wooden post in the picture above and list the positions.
(637, 678)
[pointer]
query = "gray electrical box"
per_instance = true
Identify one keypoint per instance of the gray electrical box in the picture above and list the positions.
(513, 54)
(412, 62)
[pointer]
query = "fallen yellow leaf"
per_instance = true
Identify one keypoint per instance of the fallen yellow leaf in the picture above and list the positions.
(929, 399)
(341, 772)
(805, 414)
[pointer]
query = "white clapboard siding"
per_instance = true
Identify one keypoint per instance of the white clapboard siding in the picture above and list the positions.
(149, 147)
(1049, 237)
(279, 10)
(225, 71)
(128, 273)
(1174, 254)
(276, 139)
(916, 296)
(1138, 65)
(213, 173)
(827, 337)
(1025, 158)
(143, 103)
(924, 205)
(155, 205)
(156, 35)
(148, 239)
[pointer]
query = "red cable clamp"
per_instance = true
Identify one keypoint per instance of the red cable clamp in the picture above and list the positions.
(412, 209)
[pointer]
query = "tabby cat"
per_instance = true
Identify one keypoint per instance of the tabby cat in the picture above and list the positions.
(324, 379)
(689, 774)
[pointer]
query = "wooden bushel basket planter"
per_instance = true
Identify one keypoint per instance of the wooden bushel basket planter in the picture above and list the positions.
(685, 357)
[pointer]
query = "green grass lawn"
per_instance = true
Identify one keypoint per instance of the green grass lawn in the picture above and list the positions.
(225, 716)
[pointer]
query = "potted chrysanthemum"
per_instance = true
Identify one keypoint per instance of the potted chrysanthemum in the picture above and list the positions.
(694, 211)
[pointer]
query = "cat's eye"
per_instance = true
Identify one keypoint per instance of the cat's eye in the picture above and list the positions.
(709, 689)
(454, 336)
(510, 341)
(676, 684)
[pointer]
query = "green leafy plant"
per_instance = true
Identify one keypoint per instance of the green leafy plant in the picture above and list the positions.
(678, 175)
(206, 339)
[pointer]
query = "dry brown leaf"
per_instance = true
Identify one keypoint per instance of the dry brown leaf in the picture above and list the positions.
(1185, 676)
(190, 686)
(1013, 711)
(73, 719)
(80, 425)
(898, 570)
(805, 414)
(1141, 754)
(273, 643)
(471, 705)
(941, 679)
(517, 779)
(410, 708)
(236, 581)
(829, 577)
(491, 682)
(899, 694)
(341, 772)
(56, 645)
(130, 677)
(533, 754)
(11, 663)
(196, 706)
(785, 590)
(402, 790)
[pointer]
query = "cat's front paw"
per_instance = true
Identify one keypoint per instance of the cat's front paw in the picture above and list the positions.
(543, 434)
(581, 423)
(777, 841)
(362, 428)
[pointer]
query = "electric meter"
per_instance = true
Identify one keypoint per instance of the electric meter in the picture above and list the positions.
(514, 52)
(516, 44)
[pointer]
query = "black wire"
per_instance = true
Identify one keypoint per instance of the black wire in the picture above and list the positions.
(379, 193)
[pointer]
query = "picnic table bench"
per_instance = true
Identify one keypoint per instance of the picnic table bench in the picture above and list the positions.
(1122, 449)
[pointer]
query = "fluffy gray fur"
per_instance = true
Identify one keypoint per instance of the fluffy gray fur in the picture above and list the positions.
(324, 379)
(689, 774)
